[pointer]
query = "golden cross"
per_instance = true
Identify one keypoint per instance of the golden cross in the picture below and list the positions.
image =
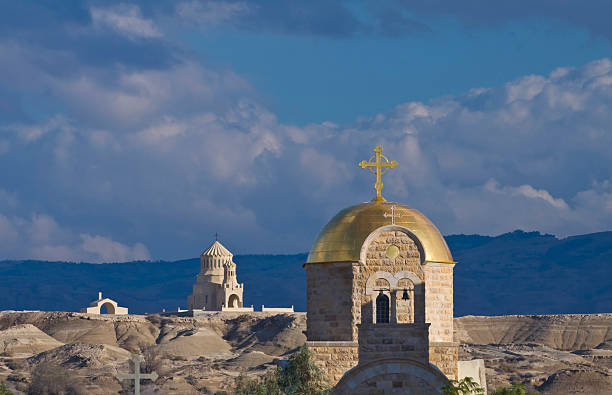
(381, 168)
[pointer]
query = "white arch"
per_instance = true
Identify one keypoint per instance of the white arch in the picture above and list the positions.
(409, 275)
(393, 279)
(410, 368)
(389, 228)
(370, 283)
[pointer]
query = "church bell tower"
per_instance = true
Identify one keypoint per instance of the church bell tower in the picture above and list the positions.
(380, 297)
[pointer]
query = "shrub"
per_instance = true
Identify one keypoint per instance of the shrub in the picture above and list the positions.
(301, 376)
(50, 379)
(4, 390)
(266, 385)
(152, 361)
(514, 389)
(465, 386)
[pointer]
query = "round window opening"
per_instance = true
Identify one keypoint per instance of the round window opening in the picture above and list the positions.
(393, 252)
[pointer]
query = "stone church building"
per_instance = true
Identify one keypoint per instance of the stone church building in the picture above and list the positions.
(380, 299)
(216, 286)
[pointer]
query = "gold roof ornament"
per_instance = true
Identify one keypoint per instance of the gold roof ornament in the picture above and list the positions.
(342, 238)
(381, 166)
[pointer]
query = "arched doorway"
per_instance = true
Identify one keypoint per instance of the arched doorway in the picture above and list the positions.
(233, 301)
(107, 308)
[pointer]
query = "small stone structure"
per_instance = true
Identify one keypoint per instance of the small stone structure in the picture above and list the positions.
(216, 287)
(277, 309)
(474, 369)
(111, 306)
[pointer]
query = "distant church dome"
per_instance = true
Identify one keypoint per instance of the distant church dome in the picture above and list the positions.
(217, 250)
(342, 238)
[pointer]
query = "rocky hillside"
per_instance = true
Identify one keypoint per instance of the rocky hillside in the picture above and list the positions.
(558, 354)
(555, 354)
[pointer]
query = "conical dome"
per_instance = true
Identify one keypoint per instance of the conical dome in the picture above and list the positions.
(217, 250)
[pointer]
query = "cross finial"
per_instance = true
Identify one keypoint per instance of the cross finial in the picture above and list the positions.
(381, 168)
(393, 215)
(216, 236)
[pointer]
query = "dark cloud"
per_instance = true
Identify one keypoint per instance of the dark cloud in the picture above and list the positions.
(302, 17)
(390, 18)
(590, 15)
(67, 29)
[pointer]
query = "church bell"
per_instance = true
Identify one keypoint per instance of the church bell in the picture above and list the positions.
(405, 295)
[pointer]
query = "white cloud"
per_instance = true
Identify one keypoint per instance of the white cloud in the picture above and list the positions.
(109, 250)
(125, 19)
(31, 133)
(526, 191)
(207, 13)
(41, 237)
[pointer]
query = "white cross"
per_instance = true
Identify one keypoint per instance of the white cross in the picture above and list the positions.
(392, 215)
(137, 376)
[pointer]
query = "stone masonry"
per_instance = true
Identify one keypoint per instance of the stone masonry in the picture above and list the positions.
(335, 357)
(439, 301)
(329, 302)
(393, 341)
(445, 356)
(414, 299)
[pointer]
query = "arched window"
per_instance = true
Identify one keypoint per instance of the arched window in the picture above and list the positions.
(382, 309)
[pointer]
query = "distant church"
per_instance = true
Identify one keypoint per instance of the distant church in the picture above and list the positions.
(216, 286)
(380, 299)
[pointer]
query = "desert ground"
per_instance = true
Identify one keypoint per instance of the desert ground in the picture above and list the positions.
(554, 354)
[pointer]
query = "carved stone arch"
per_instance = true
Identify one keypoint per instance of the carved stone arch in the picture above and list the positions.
(409, 275)
(370, 283)
(406, 375)
(389, 228)
(418, 294)
(234, 301)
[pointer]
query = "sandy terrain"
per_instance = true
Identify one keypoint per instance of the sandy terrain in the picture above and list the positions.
(560, 354)
(554, 354)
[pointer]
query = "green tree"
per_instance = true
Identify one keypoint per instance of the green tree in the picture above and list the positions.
(266, 385)
(465, 386)
(301, 376)
(4, 390)
(514, 389)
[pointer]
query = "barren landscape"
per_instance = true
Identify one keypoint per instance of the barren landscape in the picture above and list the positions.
(554, 354)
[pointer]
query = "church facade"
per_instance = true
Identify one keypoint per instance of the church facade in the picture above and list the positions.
(216, 286)
(380, 299)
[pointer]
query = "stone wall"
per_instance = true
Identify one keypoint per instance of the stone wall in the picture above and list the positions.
(445, 356)
(198, 299)
(334, 358)
(340, 327)
(379, 341)
(391, 376)
(439, 301)
(328, 301)
(393, 383)
(376, 259)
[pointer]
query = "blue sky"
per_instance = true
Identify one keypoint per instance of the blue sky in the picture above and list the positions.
(136, 130)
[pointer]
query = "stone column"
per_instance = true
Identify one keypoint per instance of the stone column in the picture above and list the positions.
(393, 306)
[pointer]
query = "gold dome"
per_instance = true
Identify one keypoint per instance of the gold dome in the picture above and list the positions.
(341, 239)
